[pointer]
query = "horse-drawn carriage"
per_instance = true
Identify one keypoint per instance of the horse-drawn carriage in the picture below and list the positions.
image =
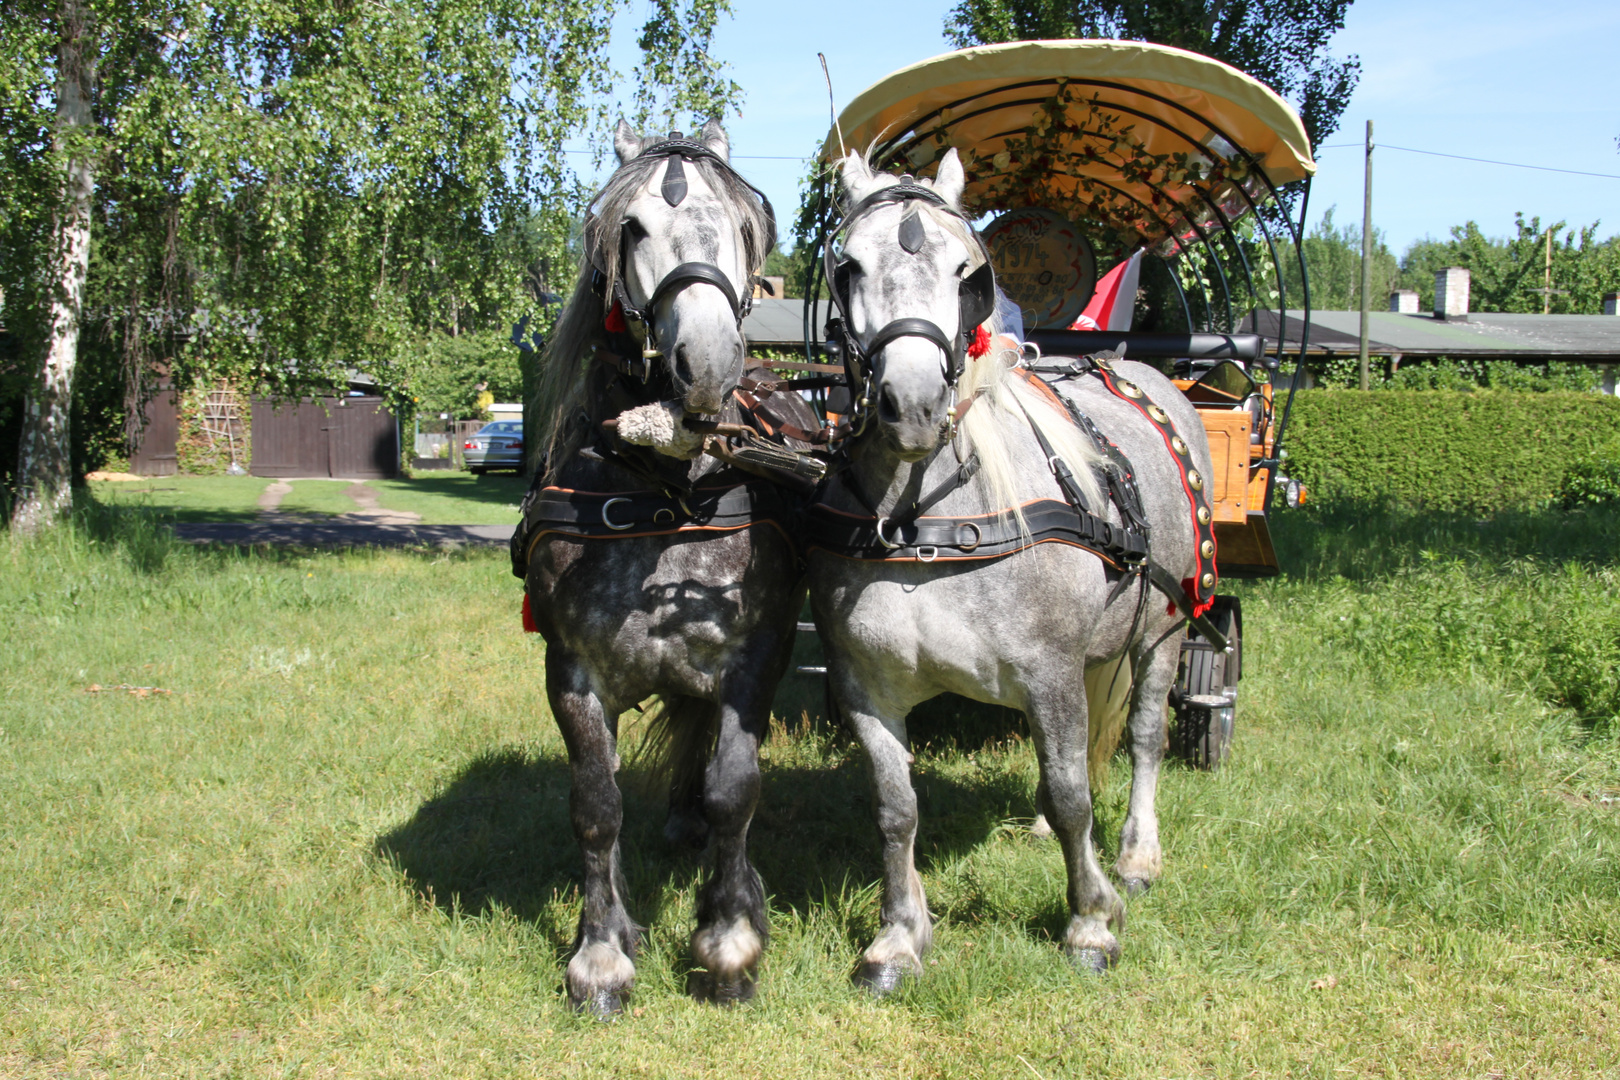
(1027, 519)
(1169, 165)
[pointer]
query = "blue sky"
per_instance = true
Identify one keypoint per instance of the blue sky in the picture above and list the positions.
(1484, 78)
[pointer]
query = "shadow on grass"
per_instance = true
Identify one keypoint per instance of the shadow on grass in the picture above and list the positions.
(1369, 541)
(498, 834)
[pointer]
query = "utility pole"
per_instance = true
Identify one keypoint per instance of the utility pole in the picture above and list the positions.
(1366, 259)
(1546, 291)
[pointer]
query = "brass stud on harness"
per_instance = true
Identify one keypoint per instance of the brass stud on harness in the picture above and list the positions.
(1161, 416)
(1207, 549)
(1177, 445)
(1129, 389)
(1195, 481)
(1207, 581)
(1203, 515)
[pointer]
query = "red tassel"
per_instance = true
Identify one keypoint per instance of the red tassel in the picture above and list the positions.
(614, 323)
(980, 344)
(1190, 587)
(529, 625)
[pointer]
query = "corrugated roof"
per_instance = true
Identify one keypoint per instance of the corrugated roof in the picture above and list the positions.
(1594, 338)
(776, 322)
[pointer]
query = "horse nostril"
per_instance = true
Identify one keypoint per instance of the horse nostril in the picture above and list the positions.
(888, 412)
(683, 366)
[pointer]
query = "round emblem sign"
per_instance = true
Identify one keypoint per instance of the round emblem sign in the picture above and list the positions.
(1044, 264)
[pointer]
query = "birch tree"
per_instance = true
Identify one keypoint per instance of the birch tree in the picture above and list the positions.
(284, 191)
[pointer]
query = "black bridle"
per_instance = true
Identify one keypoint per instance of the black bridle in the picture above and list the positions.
(677, 150)
(977, 294)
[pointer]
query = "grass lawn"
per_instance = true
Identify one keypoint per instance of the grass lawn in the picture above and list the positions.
(455, 498)
(340, 844)
(441, 498)
(185, 498)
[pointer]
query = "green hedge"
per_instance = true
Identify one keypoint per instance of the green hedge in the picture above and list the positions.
(1491, 450)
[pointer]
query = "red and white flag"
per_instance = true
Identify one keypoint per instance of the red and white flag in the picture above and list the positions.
(1113, 304)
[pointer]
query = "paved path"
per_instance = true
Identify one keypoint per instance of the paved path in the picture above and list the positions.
(343, 533)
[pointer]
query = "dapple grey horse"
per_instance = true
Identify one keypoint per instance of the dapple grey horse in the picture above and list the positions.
(1021, 630)
(660, 573)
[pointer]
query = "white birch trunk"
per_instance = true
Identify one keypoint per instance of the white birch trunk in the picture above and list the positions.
(44, 466)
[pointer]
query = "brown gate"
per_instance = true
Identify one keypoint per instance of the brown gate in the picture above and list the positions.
(354, 438)
(155, 454)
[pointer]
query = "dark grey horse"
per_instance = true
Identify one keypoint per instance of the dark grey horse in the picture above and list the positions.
(1021, 630)
(658, 571)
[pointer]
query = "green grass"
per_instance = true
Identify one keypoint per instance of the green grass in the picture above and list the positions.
(318, 498)
(341, 845)
(184, 498)
(446, 498)
(455, 498)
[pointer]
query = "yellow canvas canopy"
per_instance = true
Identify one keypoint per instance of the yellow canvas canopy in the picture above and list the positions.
(1151, 143)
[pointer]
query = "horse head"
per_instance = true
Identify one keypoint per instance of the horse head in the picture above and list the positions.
(914, 283)
(684, 235)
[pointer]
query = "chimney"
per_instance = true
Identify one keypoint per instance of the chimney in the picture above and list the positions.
(1611, 303)
(1451, 294)
(1403, 302)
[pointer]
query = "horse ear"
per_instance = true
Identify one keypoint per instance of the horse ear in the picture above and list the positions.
(855, 172)
(626, 143)
(949, 180)
(714, 137)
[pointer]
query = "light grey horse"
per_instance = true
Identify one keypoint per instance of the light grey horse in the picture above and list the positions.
(660, 572)
(1021, 630)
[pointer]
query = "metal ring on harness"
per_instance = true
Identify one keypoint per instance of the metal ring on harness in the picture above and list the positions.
(610, 524)
(978, 537)
(662, 515)
(884, 540)
(927, 553)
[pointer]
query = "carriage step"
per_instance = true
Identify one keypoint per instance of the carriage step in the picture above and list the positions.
(807, 628)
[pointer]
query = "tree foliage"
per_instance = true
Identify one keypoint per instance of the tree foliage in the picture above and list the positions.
(286, 191)
(1283, 43)
(1507, 273)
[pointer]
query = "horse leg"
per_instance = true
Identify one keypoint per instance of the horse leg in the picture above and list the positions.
(1059, 727)
(1140, 859)
(907, 931)
(732, 925)
(602, 968)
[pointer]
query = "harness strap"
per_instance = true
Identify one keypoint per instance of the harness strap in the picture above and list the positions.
(598, 515)
(958, 539)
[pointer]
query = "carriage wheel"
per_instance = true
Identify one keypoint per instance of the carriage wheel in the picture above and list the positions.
(1205, 698)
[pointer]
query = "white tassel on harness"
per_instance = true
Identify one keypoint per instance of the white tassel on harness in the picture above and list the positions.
(659, 426)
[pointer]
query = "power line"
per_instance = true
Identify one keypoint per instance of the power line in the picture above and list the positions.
(1482, 161)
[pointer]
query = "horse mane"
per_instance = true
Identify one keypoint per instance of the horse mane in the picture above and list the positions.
(561, 384)
(1006, 397)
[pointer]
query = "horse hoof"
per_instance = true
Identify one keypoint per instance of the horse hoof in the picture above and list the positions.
(1092, 961)
(601, 1004)
(1137, 886)
(881, 980)
(723, 990)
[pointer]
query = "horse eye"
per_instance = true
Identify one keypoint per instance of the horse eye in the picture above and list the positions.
(962, 271)
(635, 229)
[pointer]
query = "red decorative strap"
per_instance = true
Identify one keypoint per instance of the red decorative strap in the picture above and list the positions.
(614, 323)
(980, 343)
(529, 625)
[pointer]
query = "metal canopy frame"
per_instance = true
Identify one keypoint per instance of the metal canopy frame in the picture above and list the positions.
(1255, 195)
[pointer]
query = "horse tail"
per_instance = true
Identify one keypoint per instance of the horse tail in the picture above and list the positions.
(1108, 708)
(675, 747)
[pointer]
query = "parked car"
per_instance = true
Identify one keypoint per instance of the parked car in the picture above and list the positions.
(496, 445)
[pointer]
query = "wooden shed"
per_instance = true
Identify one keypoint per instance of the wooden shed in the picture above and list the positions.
(352, 438)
